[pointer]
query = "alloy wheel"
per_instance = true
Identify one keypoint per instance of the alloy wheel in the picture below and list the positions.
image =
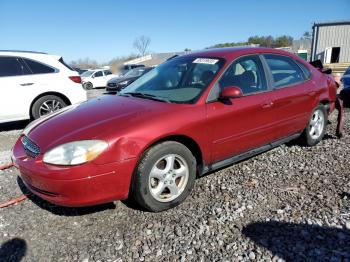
(168, 178)
(49, 106)
(316, 124)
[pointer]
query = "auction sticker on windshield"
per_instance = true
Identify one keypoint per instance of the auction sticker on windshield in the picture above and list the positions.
(208, 61)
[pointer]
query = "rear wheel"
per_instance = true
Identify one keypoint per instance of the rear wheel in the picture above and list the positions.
(316, 128)
(164, 177)
(88, 86)
(46, 105)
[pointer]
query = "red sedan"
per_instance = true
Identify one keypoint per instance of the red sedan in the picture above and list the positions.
(191, 115)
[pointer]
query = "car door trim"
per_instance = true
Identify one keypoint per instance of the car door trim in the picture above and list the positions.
(248, 154)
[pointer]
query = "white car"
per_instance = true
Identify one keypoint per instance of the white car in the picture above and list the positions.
(96, 78)
(34, 84)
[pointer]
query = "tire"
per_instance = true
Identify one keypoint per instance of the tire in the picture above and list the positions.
(88, 86)
(316, 127)
(46, 105)
(345, 96)
(164, 176)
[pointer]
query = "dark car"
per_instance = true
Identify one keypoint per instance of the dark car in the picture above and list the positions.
(125, 68)
(118, 83)
(345, 93)
(187, 117)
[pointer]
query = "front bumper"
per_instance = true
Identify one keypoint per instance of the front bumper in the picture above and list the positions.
(83, 185)
(114, 88)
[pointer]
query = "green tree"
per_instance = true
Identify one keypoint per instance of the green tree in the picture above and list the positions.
(283, 41)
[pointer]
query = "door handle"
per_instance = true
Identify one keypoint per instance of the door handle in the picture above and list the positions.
(267, 105)
(26, 84)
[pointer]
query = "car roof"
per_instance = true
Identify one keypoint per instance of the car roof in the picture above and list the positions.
(231, 52)
(22, 51)
(28, 54)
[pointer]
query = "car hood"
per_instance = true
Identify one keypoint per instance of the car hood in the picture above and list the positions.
(117, 80)
(91, 119)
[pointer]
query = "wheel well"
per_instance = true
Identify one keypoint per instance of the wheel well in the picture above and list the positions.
(63, 97)
(325, 102)
(190, 144)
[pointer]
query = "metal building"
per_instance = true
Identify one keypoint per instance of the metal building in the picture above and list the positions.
(331, 42)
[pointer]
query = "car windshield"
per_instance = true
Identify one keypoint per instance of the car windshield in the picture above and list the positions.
(134, 72)
(180, 80)
(87, 73)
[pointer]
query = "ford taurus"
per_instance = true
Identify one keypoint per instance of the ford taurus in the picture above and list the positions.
(189, 116)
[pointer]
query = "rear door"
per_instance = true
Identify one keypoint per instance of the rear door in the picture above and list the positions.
(99, 79)
(243, 123)
(15, 79)
(292, 95)
(107, 75)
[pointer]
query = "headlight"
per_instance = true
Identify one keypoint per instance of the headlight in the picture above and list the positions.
(123, 83)
(75, 153)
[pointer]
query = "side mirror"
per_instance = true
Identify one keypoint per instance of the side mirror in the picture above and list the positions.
(92, 76)
(231, 92)
(327, 71)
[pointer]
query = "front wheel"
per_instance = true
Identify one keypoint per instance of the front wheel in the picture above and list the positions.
(164, 177)
(316, 128)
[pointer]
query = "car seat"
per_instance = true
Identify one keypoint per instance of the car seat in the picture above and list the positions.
(207, 77)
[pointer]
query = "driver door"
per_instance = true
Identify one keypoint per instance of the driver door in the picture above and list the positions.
(240, 124)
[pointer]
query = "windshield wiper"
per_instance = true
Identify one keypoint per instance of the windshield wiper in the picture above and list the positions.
(147, 96)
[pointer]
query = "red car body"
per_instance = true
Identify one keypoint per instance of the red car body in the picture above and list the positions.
(131, 125)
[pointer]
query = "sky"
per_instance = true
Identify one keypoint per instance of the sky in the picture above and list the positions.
(102, 30)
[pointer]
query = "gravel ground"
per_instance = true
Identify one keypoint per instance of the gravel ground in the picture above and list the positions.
(288, 204)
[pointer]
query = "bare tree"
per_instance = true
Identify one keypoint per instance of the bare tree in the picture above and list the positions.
(307, 35)
(85, 63)
(141, 44)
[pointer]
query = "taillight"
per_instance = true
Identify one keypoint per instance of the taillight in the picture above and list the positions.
(76, 79)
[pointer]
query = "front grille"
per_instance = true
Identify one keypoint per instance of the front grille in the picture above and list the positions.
(32, 149)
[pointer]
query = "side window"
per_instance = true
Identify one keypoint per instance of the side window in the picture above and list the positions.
(98, 74)
(38, 68)
(306, 71)
(284, 71)
(245, 73)
(107, 72)
(11, 66)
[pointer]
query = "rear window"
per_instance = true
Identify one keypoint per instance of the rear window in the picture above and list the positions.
(305, 70)
(284, 70)
(11, 66)
(38, 68)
